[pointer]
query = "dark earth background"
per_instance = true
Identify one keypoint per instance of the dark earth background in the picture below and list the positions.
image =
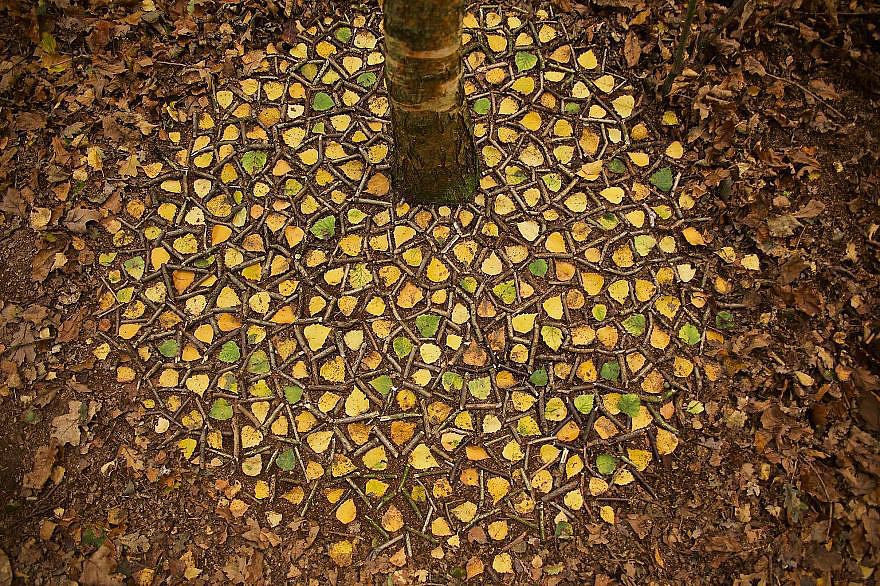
(779, 487)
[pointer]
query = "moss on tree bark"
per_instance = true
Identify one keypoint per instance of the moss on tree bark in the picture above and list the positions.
(434, 159)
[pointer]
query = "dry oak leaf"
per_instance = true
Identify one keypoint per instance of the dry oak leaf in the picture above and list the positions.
(98, 570)
(44, 459)
(65, 428)
(77, 219)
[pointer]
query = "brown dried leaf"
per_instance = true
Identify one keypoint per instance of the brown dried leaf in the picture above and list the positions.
(632, 49)
(77, 218)
(44, 459)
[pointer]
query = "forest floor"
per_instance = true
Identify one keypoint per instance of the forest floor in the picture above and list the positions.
(646, 353)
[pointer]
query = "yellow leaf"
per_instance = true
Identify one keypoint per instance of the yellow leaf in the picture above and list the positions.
(341, 466)
(588, 60)
(605, 83)
(524, 322)
(187, 446)
(556, 243)
(553, 307)
(465, 512)
(356, 403)
(346, 512)
(250, 437)
(613, 194)
(316, 335)
(436, 271)
(607, 514)
(497, 487)
(440, 527)
(624, 105)
(334, 370)
(619, 291)
(498, 530)
(531, 121)
(641, 458)
(421, 458)
(666, 442)
(252, 466)
(341, 552)
(675, 150)
(693, 236)
(503, 563)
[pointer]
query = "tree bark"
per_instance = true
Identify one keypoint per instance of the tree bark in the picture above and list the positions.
(434, 159)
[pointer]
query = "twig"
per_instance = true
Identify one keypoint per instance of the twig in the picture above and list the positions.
(808, 92)
(678, 63)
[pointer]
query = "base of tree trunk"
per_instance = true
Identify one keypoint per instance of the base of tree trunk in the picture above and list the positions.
(435, 160)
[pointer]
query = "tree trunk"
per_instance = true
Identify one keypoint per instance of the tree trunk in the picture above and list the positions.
(434, 159)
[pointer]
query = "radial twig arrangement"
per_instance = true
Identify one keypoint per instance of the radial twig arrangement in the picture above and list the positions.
(519, 363)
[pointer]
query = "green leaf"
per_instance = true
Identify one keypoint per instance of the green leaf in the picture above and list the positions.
(724, 320)
(563, 530)
(644, 243)
(204, 261)
(452, 381)
(606, 463)
(635, 324)
(525, 61)
(322, 101)
(610, 370)
(662, 179)
(382, 384)
(553, 181)
(343, 34)
(617, 166)
(229, 352)
(538, 267)
(629, 404)
(228, 382)
(286, 460)
(690, 334)
(572, 108)
(367, 79)
(480, 387)
(134, 267)
(506, 291)
(402, 346)
(481, 106)
(584, 403)
(319, 128)
(293, 393)
(360, 276)
(106, 258)
(309, 71)
(261, 389)
(292, 188)
(427, 324)
(32, 416)
(168, 348)
(539, 378)
(600, 311)
(552, 336)
(125, 295)
(253, 161)
(355, 216)
(324, 228)
(469, 284)
(93, 536)
(694, 407)
(258, 363)
(608, 221)
(221, 410)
